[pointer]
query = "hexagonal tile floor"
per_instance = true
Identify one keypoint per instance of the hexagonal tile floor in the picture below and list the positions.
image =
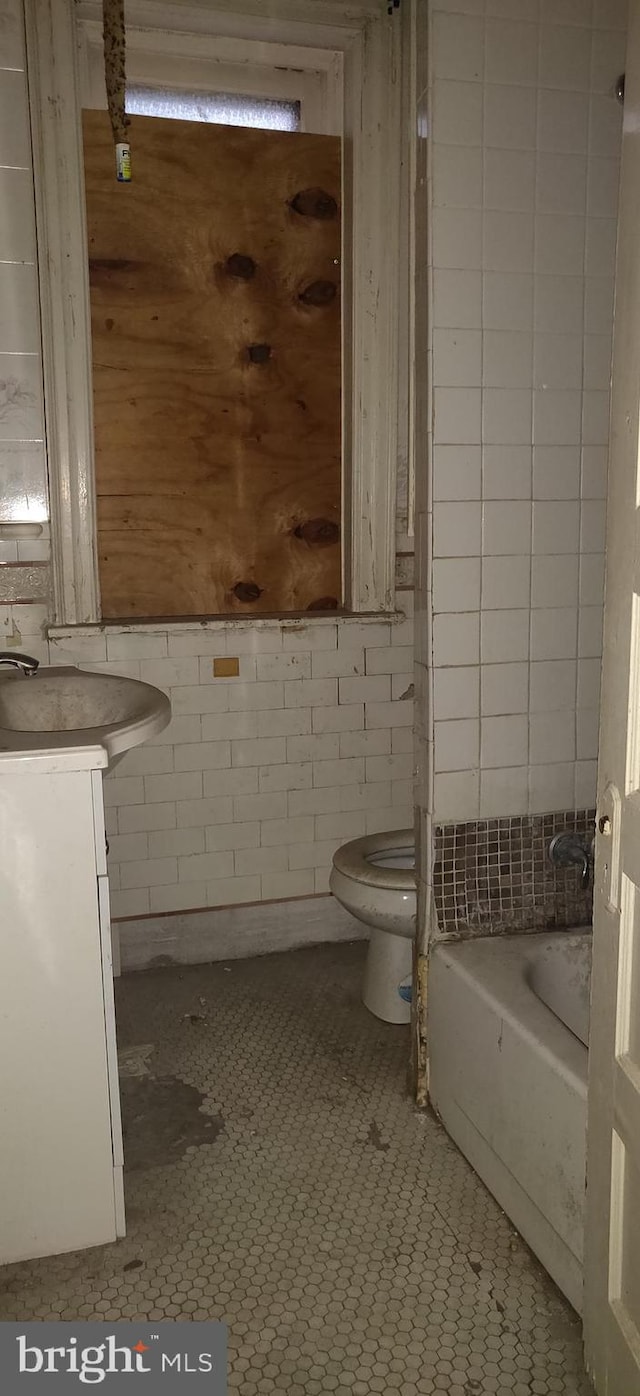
(280, 1178)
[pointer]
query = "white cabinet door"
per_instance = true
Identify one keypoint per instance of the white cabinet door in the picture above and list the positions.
(56, 1159)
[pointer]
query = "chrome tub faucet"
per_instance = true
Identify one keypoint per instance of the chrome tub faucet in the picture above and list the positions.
(572, 847)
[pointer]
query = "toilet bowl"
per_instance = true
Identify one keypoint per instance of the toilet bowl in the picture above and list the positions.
(374, 878)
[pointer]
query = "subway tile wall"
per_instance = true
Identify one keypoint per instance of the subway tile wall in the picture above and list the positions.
(259, 778)
(23, 495)
(523, 179)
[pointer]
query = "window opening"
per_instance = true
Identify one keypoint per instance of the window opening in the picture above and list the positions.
(215, 108)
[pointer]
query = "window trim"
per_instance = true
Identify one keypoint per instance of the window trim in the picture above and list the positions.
(365, 42)
(230, 65)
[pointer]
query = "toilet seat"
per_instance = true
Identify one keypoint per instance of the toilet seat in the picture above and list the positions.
(358, 860)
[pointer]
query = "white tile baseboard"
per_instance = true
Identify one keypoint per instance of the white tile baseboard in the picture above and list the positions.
(234, 933)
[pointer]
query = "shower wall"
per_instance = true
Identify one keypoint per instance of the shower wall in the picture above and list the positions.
(523, 169)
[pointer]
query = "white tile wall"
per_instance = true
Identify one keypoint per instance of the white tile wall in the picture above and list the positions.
(23, 496)
(258, 779)
(524, 173)
(523, 170)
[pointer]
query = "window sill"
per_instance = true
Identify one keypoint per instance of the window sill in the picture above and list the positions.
(174, 626)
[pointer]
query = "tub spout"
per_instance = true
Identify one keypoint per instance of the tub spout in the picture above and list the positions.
(573, 848)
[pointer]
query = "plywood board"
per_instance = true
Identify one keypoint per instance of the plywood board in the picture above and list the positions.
(215, 313)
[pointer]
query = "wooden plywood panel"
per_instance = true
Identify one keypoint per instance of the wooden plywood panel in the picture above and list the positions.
(216, 367)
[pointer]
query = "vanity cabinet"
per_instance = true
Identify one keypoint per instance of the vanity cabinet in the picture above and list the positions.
(61, 1158)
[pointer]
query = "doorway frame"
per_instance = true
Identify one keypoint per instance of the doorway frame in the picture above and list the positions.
(366, 42)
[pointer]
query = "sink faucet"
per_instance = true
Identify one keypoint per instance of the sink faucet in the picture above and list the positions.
(23, 662)
(573, 847)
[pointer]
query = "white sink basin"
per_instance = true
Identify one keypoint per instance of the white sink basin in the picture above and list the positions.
(58, 708)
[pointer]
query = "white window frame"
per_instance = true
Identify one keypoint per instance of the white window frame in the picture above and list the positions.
(218, 64)
(357, 40)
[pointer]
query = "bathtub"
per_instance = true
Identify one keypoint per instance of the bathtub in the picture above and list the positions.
(508, 1034)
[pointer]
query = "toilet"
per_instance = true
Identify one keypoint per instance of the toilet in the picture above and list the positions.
(374, 878)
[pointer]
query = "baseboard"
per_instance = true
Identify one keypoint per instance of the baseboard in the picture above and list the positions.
(234, 932)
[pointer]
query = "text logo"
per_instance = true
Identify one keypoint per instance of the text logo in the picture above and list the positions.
(175, 1359)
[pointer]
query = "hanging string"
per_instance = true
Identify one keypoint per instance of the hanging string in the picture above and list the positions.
(113, 32)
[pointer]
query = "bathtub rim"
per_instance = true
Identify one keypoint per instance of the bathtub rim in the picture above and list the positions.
(539, 967)
(492, 965)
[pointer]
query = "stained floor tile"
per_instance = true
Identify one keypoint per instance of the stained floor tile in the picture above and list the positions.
(299, 1196)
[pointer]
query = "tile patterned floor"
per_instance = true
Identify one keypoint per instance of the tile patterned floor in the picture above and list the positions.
(340, 1233)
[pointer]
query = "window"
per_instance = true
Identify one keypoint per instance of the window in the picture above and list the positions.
(217, 108)
(216, 326)
(343, 69)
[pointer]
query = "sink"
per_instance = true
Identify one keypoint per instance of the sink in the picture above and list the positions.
(58, 708)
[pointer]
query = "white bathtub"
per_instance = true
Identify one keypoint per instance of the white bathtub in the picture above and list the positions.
(508, 1032)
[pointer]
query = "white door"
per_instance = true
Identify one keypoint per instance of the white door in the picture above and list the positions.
(612, 1250)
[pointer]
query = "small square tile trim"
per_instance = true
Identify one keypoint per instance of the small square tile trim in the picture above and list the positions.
(493, 876)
